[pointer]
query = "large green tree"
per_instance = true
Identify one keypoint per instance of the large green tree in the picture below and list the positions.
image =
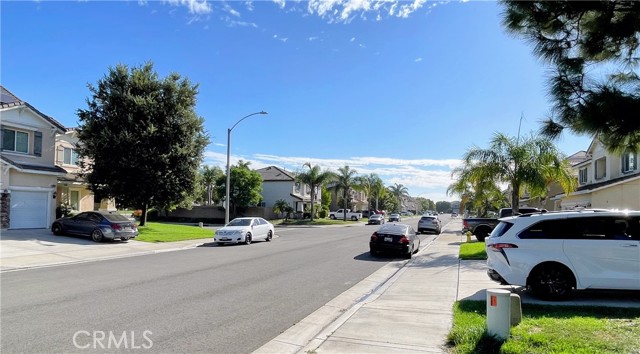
(532, 163)
(345, 180)
(314, 178)
(245, 188)
(373, 187)
(141, 139)
(593, 46)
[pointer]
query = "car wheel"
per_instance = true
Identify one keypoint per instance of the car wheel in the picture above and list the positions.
(247, 239)
(269, 236)
(96, 236)
(552, 282)
(124, 239)
(438, 231)
(56, 229)
(332, 217)
(354, 218)
(409, 254)
(481, 234)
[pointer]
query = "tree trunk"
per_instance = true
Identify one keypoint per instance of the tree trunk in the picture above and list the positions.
(312, 201)
(515, 199)
(143, 216)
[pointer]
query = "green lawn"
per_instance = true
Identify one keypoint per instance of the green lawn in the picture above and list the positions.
(159, 232)
(473, 250)
(549, 329)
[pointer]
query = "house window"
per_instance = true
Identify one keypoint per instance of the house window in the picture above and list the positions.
(13, 140)
(74, 200)
(70, 157)
(629, 161)
(583, 176)
(601, 168)
(297, 188)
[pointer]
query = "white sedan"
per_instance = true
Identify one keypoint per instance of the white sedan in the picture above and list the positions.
(244, 230)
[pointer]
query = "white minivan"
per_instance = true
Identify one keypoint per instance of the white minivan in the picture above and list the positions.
(554, 253)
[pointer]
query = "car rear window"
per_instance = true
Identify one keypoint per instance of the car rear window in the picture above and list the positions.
(115, 217)
(427, 218)
(501, 229)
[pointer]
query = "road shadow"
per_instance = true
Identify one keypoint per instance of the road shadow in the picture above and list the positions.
(383, 257)
(45, 237)
(607, 298)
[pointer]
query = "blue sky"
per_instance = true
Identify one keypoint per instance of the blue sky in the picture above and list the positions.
(398, 88)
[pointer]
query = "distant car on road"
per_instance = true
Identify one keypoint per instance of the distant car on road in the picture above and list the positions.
(377, 219)
(399, 238)
(244, 230)
(394, 217)
(429, 223)
(97, 224)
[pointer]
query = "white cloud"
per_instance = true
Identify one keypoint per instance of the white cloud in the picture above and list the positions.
(362, 45)
(281, 39)
(196, 7)
(311, 39)
(352, 39)
(280, 3)
(249, 5)
(231, 10)
(417, 60)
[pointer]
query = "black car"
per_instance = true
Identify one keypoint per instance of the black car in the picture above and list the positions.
(98, 225)
(398, 238)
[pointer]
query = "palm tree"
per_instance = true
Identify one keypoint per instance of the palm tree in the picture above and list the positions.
(314, 178)
(529, 164)
(399, 191)
(477, 189)
(369, 185)
(209, 177)
(345, 181)
(280, 206)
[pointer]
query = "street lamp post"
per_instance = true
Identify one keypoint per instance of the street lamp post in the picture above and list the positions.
(227, 201)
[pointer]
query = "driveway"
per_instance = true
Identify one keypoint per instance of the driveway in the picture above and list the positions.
(33, 248)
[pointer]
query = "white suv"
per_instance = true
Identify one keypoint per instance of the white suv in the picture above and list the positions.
(554, 253)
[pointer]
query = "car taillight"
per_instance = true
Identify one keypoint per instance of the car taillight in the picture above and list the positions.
(374, 236)
(404, 239)
(497, 247)
(464, 224)
(116, 226)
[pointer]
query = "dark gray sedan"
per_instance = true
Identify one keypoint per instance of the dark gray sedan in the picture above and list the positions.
(99, 225)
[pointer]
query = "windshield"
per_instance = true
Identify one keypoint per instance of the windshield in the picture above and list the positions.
(240, 222)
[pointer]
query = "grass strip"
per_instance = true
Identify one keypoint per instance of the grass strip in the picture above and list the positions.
(473, 250)
(548, 329)
(161, 232)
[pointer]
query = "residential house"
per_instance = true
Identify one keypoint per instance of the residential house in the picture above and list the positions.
(358, 199)
(278, 184)
(605, 180)
(72, 190)
(28, 173)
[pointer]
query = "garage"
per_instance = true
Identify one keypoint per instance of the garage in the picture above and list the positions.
(29, 209)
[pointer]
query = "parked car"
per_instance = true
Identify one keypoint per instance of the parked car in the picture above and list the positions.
(399, 238)
(554, 253)
(429, 223)
(454, 215)
(340, 213)
(394, 217)
(481, 227)
(376, 219)
(244, 230)
(97, 224)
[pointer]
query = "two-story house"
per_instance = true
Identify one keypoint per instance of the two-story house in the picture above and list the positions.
(278, 184)
(605, 180)
(28, 174)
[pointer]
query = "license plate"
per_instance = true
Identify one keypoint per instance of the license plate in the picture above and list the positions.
(388, 239)
(127, 228)
(224, 239)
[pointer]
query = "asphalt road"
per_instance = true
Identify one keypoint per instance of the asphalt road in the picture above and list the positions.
(217, 299)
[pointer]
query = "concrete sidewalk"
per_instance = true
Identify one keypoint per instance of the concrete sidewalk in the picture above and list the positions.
(37, 248)
(406, 306)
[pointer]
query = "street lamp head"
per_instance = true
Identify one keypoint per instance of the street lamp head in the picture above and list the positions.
(263, 112)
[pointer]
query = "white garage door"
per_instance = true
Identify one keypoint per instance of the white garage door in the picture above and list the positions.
(28, 210)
